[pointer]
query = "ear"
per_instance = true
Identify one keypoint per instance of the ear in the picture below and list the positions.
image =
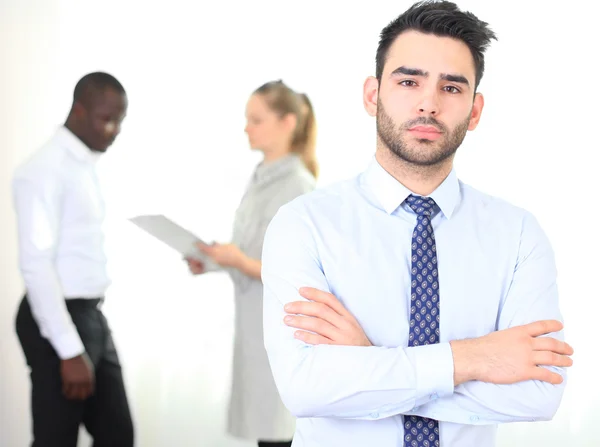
(290, 121)
(476, 111)
(78, 111)
(370, 95)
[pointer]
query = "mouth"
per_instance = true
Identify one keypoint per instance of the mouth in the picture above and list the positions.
(425, 132)
(104, 147)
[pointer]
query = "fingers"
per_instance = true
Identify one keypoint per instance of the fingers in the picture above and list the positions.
(315, 309)
(69, 390)
(85, 390)
(90, 387)
(552, 345)
(545, 375)
(197, 269)
(78, 390)
(321, 296)
(312, 339)
(547, 358)
(207, 248)
(82, 391)
(195, 266)
(316, 325)
(543, 327)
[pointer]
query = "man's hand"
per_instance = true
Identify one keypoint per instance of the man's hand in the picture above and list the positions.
(77, 377)
(502, 357)
(512, 355)
(325, 316)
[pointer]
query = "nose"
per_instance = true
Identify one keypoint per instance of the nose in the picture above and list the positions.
(429, 104)
(112, 129)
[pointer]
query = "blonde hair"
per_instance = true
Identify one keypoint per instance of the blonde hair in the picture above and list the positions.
(283, 100)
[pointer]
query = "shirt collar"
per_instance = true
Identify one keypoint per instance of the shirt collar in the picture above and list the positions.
(265, 172)
(391, 193)
(67, 139)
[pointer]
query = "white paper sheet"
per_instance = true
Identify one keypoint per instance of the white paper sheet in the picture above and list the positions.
(175, 236)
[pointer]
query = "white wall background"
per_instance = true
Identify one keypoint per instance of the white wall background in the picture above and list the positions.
(188, 68)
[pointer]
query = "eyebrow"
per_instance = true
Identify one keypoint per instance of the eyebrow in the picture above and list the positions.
(418, 72)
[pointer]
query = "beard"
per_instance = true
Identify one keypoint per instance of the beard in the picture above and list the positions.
(422, 152)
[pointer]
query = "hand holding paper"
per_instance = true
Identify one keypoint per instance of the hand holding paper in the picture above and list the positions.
(226, 255)
(179, 239)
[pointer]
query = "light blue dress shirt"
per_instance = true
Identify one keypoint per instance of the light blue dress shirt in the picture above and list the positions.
(496, 270)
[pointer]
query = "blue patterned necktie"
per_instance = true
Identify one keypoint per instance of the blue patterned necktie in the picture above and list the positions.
(424, 309)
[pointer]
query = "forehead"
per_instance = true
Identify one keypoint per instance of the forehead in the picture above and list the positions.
(430, 53)
(257, 104)
(108, 99)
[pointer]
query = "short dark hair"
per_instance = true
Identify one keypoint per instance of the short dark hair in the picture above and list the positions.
(94, 82)
(443, 19)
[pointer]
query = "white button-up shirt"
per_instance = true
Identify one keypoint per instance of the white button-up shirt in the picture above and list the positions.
(60, 212)
(496, 270)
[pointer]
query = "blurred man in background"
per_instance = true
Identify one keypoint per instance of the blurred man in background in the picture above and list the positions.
(75, 371)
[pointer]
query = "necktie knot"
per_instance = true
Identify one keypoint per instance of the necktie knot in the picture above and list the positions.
(422, 206)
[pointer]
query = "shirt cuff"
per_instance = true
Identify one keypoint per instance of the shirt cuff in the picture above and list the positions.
(434, 371)
(68, 345)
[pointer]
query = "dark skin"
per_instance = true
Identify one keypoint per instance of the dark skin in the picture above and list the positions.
(96, 120)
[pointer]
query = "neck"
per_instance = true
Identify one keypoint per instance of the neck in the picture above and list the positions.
(421, 180)
(273, 155)
(70, 124)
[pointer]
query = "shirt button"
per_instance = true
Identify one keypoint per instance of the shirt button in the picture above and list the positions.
(375, 415)
(474, 418)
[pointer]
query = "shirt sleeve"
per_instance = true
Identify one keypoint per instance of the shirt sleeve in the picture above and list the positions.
(37, 205)
(336, 381)
(290, 190)
(532, 296)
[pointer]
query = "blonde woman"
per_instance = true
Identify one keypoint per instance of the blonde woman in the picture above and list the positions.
(280, 124)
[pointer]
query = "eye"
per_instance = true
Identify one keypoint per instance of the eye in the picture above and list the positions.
(408, 83)
(105, 118)
(451, 89)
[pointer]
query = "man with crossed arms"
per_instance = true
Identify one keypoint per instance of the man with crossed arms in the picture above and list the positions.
(429, 304)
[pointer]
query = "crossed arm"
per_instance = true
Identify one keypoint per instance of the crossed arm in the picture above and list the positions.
(325, 366)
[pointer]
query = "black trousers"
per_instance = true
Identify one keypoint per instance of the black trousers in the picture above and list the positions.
(56, 420)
